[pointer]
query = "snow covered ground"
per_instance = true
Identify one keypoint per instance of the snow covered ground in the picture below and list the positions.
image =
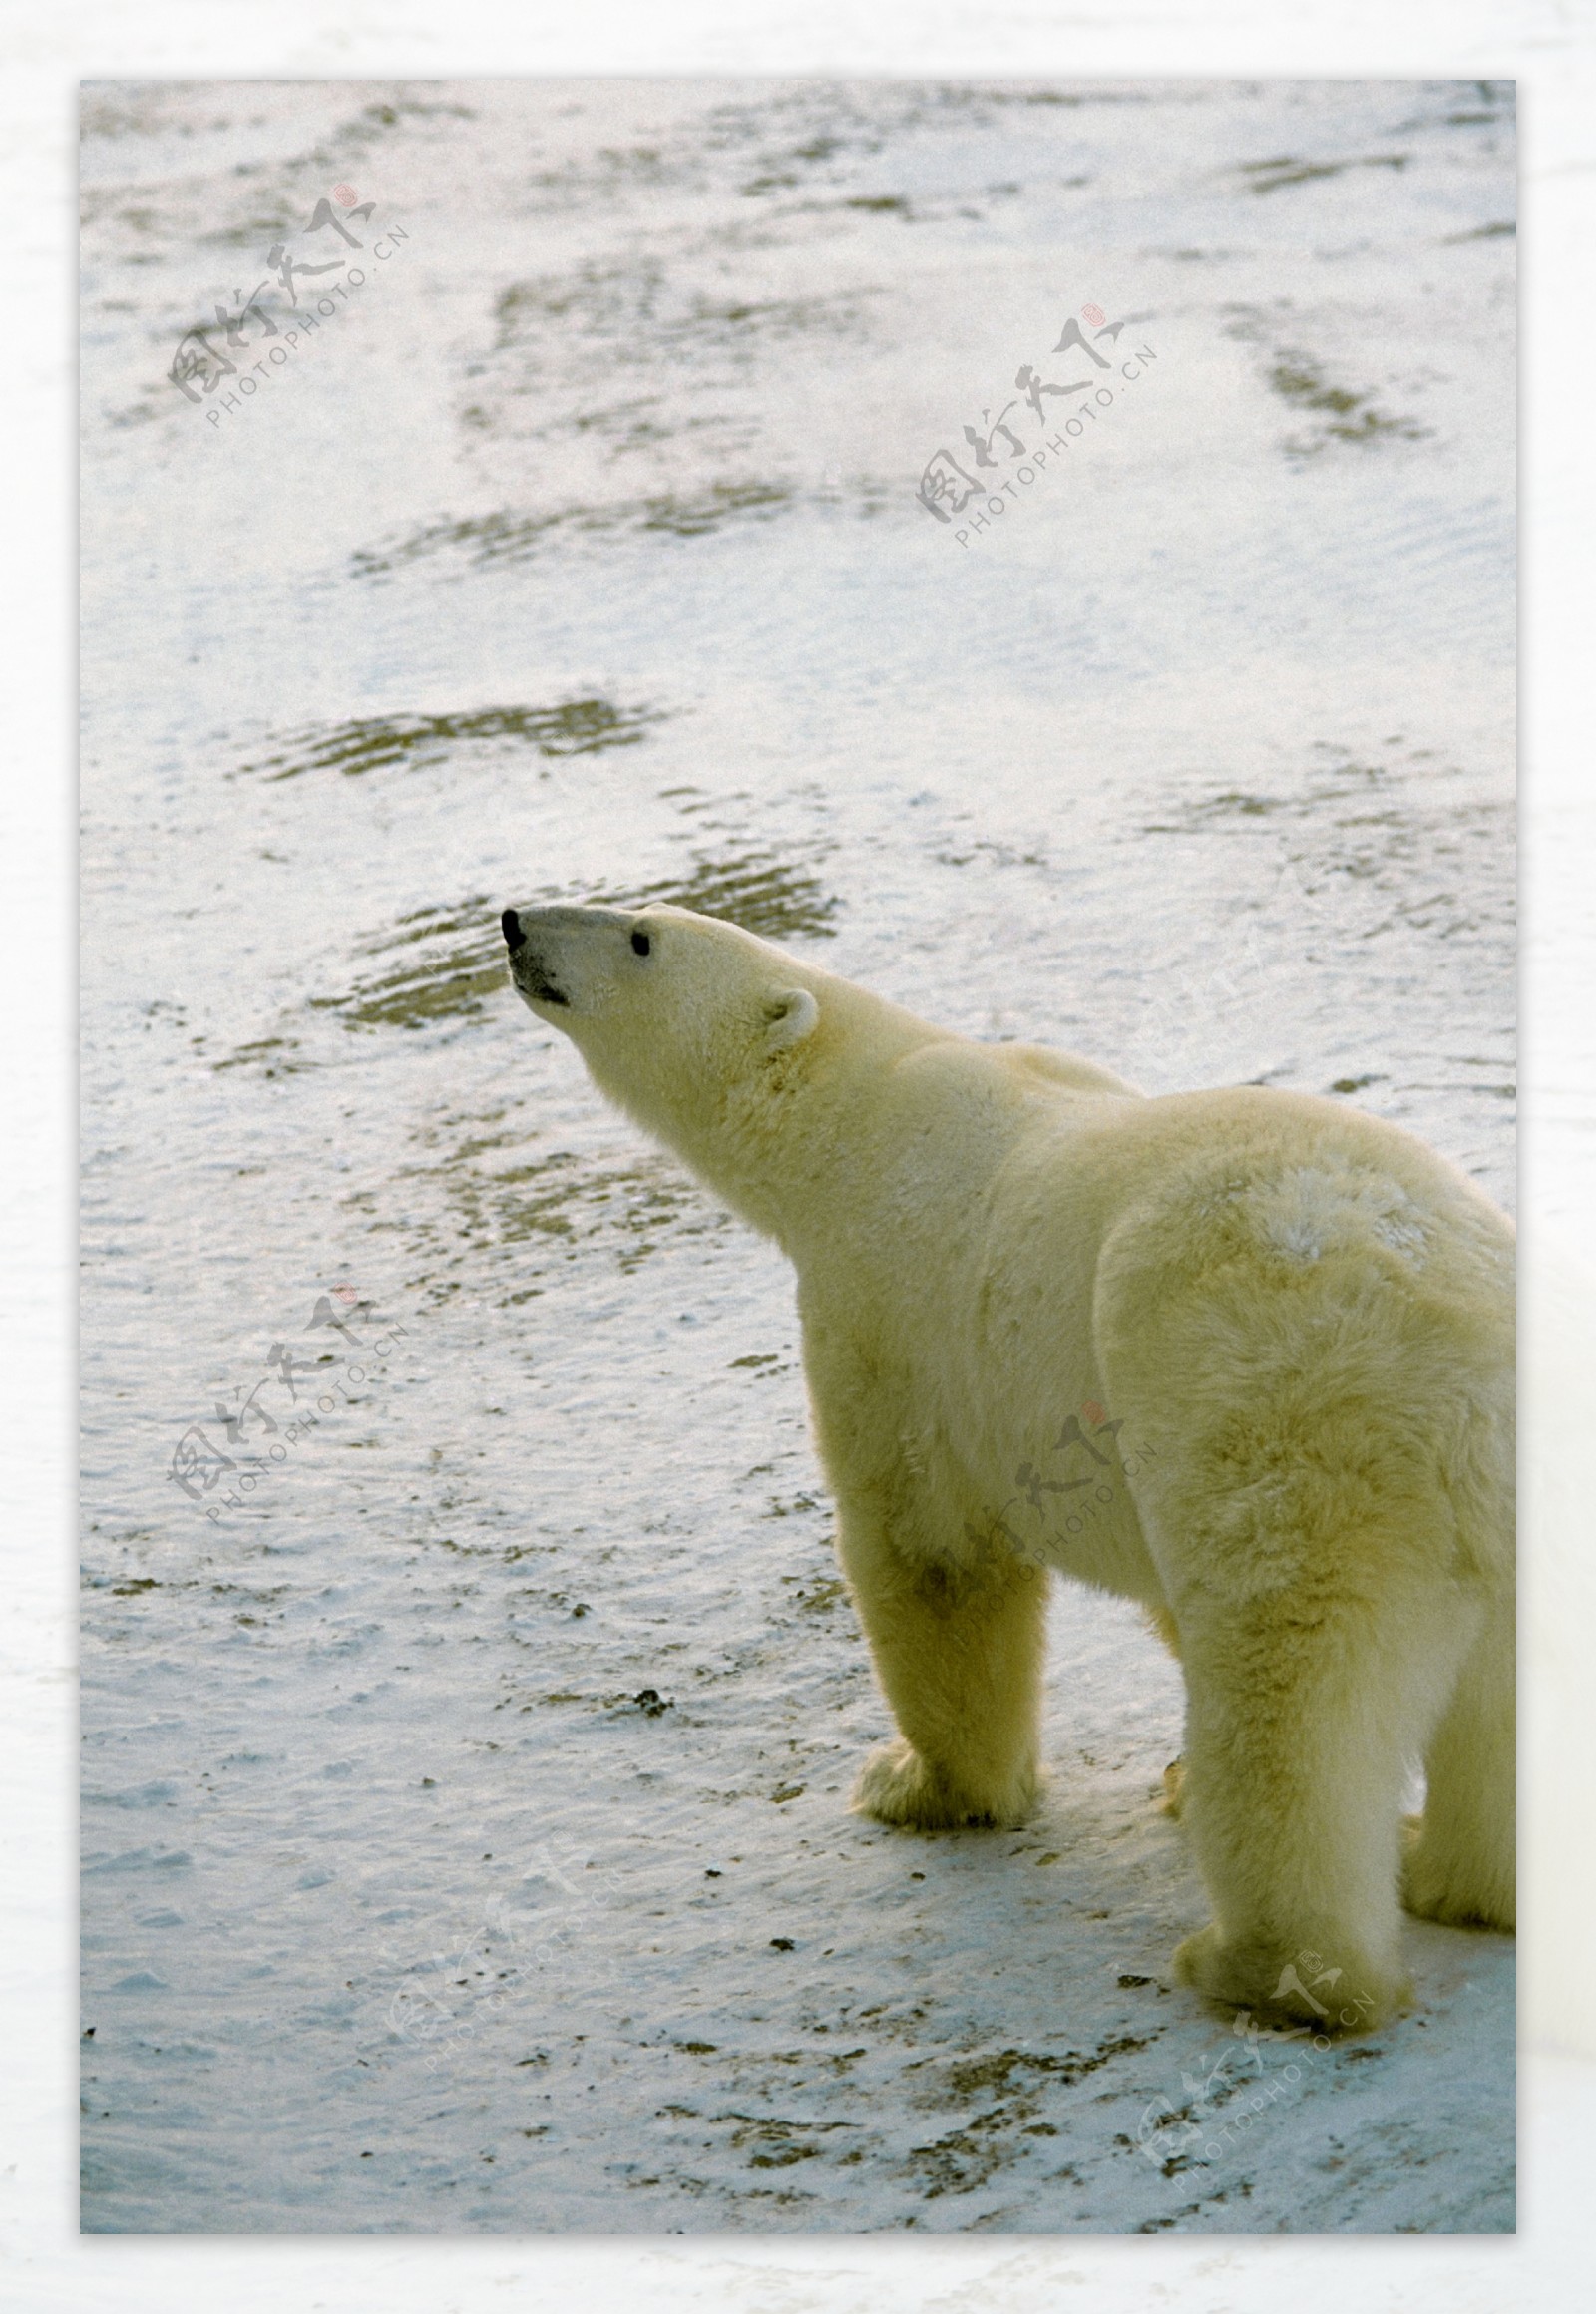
(464, 1838)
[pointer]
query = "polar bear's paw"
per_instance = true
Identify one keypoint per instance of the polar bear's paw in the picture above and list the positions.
(897, 1786)
(1459, 1891)
(1288, 1984)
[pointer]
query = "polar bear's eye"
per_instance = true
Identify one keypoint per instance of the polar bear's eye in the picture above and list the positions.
(641, 944)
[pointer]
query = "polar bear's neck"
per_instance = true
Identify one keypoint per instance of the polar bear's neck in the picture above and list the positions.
(806, 1148)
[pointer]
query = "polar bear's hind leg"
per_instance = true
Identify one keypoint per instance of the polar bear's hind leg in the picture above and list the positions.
(1460, 1863)
(1328, 1509)
(1304, 1712)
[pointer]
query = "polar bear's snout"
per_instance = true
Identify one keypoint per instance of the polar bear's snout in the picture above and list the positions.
(571, 956)
(530, 964)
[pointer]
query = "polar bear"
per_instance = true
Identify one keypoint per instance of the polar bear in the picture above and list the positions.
(1273, 1333)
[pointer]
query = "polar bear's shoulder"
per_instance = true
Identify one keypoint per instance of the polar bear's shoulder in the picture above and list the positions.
(949, 1069)
(1067, 1068)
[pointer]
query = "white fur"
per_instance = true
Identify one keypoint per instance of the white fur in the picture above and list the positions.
(1300, 1316)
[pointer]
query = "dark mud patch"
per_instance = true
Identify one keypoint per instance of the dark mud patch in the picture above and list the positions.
(770, 897)
(273, 1055)
(614, 172)
(558, 1198)
(776, 2144)
(272, 220)
(507, 537)
(548, 1204)
(1469, 105)
(1338, 412)
(814, 1595)
(368, 743)
(349, 142)
(997, 2073)
(1323, 785)
(1341, 415)
(448, 962)
(641, 311)
(615, 358)
(1017, 2079)
(374, 120)
(1384, 848)
(97, 204)
(117, 109)
(1285, 169)
(809, 135)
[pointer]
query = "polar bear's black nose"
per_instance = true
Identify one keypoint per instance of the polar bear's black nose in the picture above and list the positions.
(514, 938)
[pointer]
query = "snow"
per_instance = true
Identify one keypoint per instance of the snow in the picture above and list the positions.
(464, 1832)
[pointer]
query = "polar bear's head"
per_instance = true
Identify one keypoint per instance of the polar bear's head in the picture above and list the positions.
(691, 1024)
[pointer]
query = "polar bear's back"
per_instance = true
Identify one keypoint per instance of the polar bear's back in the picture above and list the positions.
(1298, 1298)
(1285, 1184)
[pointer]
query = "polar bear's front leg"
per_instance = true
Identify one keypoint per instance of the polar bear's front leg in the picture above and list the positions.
(959, 1656)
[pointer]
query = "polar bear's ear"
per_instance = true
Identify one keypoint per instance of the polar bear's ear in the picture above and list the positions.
(789, 1017)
